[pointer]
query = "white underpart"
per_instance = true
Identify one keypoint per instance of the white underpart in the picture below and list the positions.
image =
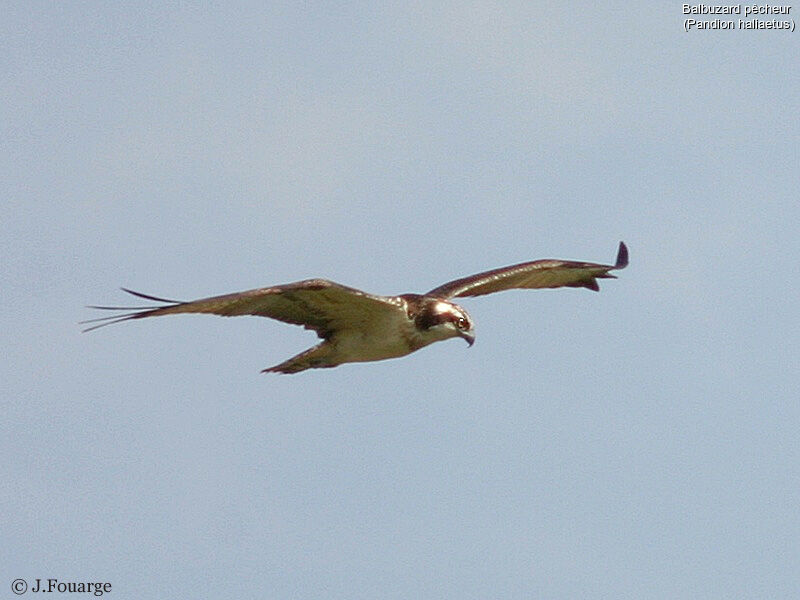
(358, 346)
(394, 338)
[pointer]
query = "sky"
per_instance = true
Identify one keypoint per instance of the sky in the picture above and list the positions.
(641, 442)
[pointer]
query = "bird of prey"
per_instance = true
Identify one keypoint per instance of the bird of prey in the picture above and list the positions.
(357, 327)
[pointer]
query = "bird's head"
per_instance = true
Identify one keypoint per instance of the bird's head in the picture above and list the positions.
(441, 320)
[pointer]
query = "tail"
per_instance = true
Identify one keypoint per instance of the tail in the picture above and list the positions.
(317, 357)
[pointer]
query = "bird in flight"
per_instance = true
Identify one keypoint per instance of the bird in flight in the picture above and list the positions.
(358, 327)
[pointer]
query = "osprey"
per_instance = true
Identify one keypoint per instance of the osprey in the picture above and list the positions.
(357, 327)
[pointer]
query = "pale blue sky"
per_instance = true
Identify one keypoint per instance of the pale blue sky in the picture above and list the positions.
(637, 443)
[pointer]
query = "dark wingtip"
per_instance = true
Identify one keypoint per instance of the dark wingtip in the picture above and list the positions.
(106, 321)
(622, 256)
(279, 370)
(149, 297)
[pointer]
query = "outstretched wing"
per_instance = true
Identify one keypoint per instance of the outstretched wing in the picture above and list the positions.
(317, 304)
(548, 273)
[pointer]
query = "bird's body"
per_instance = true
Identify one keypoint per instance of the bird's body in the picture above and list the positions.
(357, 327)
(393, 336)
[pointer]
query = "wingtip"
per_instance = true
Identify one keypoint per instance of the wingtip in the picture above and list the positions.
(622, 256)
(283, 369)
(278, 370)
(149, 297)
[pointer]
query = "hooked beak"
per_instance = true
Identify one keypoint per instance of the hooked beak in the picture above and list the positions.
(468, 336)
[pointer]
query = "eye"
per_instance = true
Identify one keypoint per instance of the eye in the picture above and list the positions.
(461, 323)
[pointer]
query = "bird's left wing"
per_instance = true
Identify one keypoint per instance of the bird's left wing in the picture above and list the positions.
(548, 273)
(318, 304)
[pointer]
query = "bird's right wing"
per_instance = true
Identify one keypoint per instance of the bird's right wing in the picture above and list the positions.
(317, 304)
(537, 274)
